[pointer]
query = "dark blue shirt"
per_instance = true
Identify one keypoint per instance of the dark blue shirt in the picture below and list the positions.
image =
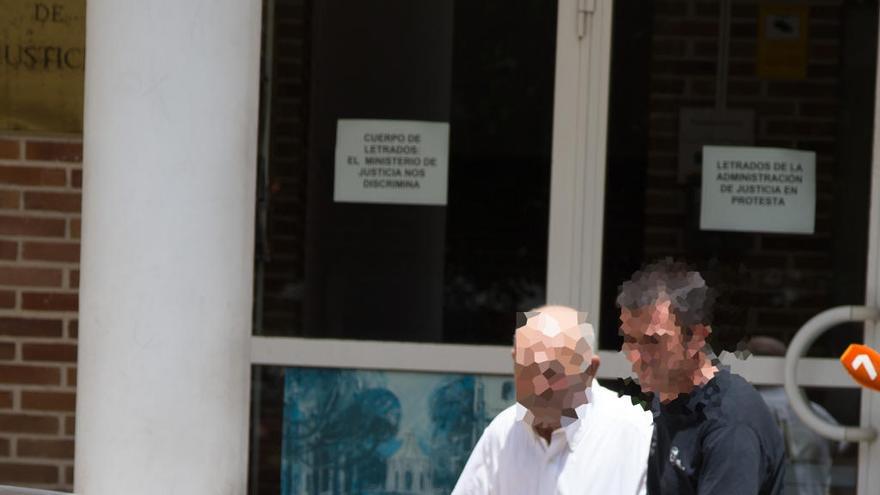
(719, 439)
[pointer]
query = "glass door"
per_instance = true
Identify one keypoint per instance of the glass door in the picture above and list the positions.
(741, 139)
(405, 217)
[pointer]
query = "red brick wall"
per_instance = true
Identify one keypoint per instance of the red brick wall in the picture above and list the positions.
(40, 181)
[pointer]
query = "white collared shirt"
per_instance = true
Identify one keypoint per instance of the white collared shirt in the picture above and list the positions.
(605, 451)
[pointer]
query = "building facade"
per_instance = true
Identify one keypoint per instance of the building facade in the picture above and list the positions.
(294, 185)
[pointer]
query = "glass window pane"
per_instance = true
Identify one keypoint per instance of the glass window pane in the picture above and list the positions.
(815, 464)
(411, 272)
(820, 98)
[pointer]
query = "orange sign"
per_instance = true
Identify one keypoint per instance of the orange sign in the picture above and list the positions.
(863, 364)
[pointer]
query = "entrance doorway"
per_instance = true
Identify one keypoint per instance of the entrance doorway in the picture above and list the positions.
(753, 79)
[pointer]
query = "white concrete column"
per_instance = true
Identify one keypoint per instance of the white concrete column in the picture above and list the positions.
(171, 111)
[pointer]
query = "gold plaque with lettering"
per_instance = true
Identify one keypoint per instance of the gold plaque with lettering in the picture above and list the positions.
(42, 62)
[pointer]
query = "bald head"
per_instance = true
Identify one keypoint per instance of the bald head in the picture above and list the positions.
(554, 362)
(552, 320)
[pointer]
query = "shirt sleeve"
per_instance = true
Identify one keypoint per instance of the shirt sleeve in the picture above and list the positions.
(478, 474)
(731, 462)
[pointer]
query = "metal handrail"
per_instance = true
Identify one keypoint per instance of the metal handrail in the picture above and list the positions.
(802, 341)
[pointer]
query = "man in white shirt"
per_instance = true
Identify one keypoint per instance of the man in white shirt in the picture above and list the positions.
(566, 434)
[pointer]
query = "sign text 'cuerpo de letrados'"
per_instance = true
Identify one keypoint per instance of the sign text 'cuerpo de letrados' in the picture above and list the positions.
(391, 162)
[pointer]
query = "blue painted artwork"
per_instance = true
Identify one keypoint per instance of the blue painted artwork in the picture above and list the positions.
(356, 432)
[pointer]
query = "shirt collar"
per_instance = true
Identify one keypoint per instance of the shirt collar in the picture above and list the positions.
(696, 400)
(572, 427)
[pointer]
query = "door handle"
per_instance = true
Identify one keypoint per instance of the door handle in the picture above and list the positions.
(801, 342)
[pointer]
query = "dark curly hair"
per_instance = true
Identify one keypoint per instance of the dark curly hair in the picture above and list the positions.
(692, 300)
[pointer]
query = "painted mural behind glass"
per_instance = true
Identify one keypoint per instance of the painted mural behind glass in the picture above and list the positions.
(356, 432)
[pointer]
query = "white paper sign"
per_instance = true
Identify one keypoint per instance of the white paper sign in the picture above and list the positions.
(391, 162)
(758, 190)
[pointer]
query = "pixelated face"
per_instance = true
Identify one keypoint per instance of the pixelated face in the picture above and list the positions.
(662, 356)
(551, 368)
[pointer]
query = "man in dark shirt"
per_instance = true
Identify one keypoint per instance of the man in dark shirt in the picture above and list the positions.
(713, 434)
